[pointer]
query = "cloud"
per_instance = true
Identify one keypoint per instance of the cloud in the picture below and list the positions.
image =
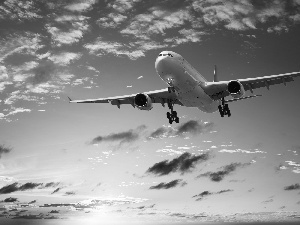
(64, 58)
(292, 187)
(56, 190)
(123, 5)
(4, 150)
(24, 187)
(156, 22)
(169, 185)
(10, 199)
(206, 193)
(101, 47)
(24, 43)
(81, 6)
(183, 163)
(122, 137)
(190, 127)
(70, 193)
(20, 11)
(194, 127)
(226, 170)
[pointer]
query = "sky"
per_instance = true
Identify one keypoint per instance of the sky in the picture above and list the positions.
(64, 163)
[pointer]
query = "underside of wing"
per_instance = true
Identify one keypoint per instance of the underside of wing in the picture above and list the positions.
(267, 81)
(157, 96)
(237, 88)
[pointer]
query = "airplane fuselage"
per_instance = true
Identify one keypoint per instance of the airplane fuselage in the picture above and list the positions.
(186, 81)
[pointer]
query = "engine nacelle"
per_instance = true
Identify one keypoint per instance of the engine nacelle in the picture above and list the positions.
(143, 102)
(236, 89)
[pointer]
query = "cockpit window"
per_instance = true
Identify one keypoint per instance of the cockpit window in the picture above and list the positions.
(166, 54)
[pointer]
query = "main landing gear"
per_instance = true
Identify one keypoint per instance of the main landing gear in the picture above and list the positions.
(172, 116)
(224, 109)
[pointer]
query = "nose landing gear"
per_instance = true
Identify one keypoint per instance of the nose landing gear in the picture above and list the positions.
(224, 109)
(172, 116)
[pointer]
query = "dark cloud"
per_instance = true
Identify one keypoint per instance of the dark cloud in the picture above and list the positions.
(206, 193)
(4, 150)
(292, 187)
(51, 184)
(190, 127)
(29, 186)
(194, 127)
(56, 190)
(32, 202)
(9, 188)
(158, 133)
(54, 211)
(23, 187)
(43, 73)
(10, 199)
(183, 163)
(123, 137)
(32, 217)
(70, 193)
(223, 191)
(219, 175)
(169, 185)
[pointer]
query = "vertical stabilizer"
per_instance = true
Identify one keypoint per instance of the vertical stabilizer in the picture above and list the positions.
(215, 74)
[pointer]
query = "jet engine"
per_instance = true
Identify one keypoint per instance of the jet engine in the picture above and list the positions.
(236, 89)
(143, 102)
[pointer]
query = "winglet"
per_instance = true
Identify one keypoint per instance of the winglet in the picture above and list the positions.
(69, 99)
(215, 74)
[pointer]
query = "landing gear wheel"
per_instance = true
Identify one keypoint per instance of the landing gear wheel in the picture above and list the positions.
(221, 111)
(168, 115)
(172, 116)
(224, 109)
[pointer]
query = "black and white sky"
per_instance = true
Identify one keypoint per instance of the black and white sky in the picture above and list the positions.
(66, 163)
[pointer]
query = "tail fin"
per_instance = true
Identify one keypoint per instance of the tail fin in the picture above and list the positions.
(215, 74)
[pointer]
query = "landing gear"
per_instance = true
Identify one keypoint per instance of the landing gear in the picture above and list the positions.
(224, 109)
(172, 116)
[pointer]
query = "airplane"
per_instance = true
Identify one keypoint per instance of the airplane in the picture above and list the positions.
(187, 87)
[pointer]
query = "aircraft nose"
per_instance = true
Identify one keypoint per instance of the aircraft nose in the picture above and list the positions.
(159, 63)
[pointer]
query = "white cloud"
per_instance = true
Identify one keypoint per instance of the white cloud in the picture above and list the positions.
(81, 6)
(123, 5)
(3, 73)
(64, 58)
(61, 37)
(242, 151)
(19, 10)
(112, 20)
(27, 43)
(100, 47)
(140, 77)
(156, 22)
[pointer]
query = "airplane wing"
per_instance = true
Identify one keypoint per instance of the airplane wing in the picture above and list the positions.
(218, 90)
(157, 96)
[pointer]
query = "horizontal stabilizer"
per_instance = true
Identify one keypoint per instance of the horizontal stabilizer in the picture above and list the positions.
(237, 99)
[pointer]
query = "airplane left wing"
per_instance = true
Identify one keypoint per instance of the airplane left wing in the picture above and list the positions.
(219, 90)
(157, 96)
(267, 81)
